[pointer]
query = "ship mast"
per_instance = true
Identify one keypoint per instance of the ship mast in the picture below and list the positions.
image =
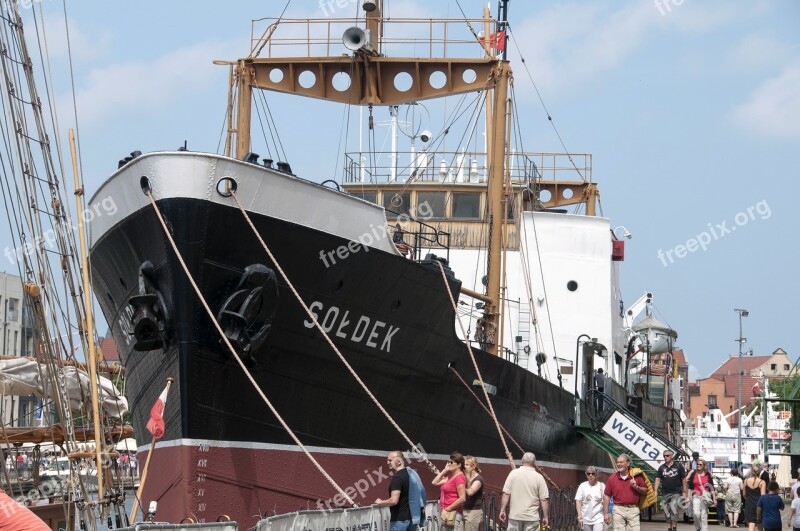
(372, 83)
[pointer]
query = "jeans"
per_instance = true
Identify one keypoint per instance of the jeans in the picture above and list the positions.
(401, 525)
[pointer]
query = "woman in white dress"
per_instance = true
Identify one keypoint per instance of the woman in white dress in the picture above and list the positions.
(589, 502)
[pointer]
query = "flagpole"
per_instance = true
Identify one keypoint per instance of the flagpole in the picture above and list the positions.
(146, 466)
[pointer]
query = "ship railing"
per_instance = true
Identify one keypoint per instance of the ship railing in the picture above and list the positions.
(462, 167)
(425, 237)
(401, 37)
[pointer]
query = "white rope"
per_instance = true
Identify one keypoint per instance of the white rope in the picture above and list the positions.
(477, 370)
(236, 356)
(413, 446)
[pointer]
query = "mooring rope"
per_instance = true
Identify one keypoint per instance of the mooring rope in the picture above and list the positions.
(475, 365)
(413, 446)
(236, 356)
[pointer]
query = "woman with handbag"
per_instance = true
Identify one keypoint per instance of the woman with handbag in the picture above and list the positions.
(703, 494)
(453, 492)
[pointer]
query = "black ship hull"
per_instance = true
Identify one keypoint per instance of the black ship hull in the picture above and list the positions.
(392, 319)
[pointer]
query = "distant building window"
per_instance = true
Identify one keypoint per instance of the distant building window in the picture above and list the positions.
(785, 366)
(712, 400)
(774, 366)
(466, 205)
(372, 197)
(430, 205)
(13, 309)
(396, 203)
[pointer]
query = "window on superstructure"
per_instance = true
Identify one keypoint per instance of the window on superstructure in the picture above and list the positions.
(372, 197)
(511, 201)
(396, 203)
(430, 205)
(466, 205)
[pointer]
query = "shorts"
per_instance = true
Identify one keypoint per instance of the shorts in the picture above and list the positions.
(522, 525)
(672, 507)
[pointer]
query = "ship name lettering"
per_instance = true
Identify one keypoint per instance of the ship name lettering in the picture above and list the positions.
(378, 334)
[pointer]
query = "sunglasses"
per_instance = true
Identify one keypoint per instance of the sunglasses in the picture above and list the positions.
(591, 473)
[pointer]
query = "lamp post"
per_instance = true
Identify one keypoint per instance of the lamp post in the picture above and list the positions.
(742, 341)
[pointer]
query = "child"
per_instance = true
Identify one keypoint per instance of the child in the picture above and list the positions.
(769, 507)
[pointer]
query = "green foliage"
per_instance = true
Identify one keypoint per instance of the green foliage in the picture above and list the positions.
(782, 388)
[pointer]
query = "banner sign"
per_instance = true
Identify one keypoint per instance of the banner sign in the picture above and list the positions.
(216, 526)
(637, 441)
(358, 519)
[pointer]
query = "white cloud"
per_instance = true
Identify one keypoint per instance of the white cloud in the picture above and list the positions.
(572, 44)
(758, 52)
(773, 108)
(83, 47)
(129, 87)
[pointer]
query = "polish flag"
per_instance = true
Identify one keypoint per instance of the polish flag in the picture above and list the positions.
(156, 423)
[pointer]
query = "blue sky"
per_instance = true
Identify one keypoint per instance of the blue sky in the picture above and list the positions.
(690, 108)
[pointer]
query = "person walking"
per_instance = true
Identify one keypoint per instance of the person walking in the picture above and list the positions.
(703, 494)
(671, 477)
(453, 492)
(600, 387)
(473, 507)
(625, 489)
(754, 488)
(526, 491)
(589, 502)
(769, 507)
(399, 509)
(733, 497)
(794, 514)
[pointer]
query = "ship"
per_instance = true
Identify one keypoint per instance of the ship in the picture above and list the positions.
(336, 316)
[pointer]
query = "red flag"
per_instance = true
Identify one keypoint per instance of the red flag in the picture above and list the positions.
(156, 423)
(497, 40)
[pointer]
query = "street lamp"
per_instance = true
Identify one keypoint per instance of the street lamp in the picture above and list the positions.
(742, 341)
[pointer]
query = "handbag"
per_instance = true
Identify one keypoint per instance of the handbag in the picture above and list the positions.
(448, 518)
(707, 499)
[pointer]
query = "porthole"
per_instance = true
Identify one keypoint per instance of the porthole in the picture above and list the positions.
(572, 285)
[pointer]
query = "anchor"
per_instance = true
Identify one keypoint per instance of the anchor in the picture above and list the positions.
(246, 315)
(149, 312)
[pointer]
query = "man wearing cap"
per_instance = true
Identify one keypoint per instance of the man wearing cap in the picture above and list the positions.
(671, 475)
(695, 458)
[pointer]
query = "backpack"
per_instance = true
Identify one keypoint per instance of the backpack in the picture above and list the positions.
(648, 498)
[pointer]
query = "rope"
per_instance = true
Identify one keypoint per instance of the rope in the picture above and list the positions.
(520, 448)
(477, 370)
(236, 356)
(413, 446)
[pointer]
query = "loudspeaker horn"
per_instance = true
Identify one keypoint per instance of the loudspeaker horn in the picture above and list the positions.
(354, 38)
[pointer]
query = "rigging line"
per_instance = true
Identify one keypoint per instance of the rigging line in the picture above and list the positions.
(263, 131)
(256, 52)
(273, 132)
(279, 146)
(471, 29)
(477, 370)
(541, 100)
(511, 437)
(233, 351)
(326, 336)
